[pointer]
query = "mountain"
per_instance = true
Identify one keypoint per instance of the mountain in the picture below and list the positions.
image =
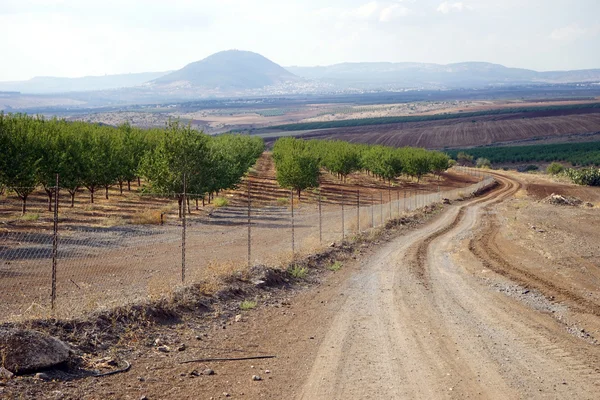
(229, 70)
(412, 75)
(49, 84)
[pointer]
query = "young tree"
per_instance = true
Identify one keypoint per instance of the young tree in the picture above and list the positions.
(296, 167)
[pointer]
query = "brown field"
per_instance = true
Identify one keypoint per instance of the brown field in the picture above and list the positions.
(466, 132)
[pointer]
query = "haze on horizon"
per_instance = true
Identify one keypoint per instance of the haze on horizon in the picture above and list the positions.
(71, 38)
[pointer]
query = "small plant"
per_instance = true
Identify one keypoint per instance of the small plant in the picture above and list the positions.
(221, 202)
(283, 201)
(555, 168)
(247, 305)
(336, 266)
(30, 217)
(298, 272)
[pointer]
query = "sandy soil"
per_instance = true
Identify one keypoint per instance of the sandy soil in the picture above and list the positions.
(474, 303)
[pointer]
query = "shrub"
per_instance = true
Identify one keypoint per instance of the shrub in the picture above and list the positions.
(336, 266)
(298, 272)
(221, 202)
(584, 176)
(147, 217)
(555, 168)
(483, 163)
(247, 305)
(283, 201)
(30, 217)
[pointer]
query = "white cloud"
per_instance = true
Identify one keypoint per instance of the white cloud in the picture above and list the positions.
(447, 7)
(567, 33)
(392, 12)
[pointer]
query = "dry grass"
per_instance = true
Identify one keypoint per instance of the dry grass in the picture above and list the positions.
(149, 217)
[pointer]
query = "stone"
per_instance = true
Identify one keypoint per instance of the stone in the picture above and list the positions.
(256, 378)
(5, 374)
(27, 350)
(43, 376)
(238, 318)
(163, 349)
(208, 371)
(181, 347)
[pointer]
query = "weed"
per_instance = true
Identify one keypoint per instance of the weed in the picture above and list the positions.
(113, 220)
(283, 201)
(221, 202)
(30, 217)
(298, 272)
(336, 266)
(247, 305)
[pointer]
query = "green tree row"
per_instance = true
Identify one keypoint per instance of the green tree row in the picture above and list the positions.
(34, 149)
(298, 162)
(578, 154)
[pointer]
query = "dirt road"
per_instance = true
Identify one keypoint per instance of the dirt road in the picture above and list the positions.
(419, 324)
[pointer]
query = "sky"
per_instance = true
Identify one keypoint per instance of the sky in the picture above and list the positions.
(71, 38)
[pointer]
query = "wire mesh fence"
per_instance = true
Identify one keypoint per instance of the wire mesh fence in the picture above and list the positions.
(105, 266)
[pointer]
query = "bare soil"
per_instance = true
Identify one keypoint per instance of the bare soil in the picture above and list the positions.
(494, 297)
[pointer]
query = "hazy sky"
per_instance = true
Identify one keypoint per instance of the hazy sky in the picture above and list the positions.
(81, 37)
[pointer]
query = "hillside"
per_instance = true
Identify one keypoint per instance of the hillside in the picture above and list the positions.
(51, 84)
(227, 70)
(422, 75)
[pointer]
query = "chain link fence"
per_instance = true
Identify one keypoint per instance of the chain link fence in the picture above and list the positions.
(71, 270)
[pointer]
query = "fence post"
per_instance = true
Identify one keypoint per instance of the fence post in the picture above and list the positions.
(320, 221)
(293, 239)
(183, 228)
(358, 211)
(372, 212)
(54, 246)
(390, 199)
(343, 228)
(404, 201)
(398, 202)
(249, 225)
(381, 207)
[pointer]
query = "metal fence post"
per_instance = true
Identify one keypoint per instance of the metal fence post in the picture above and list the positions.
(249, 225)
(381, 207)
(372, 212)
(293, 239)
(390, 200)
(343, 228)
(54, 246)
(183, 228)
(358, 211)
(320, 221)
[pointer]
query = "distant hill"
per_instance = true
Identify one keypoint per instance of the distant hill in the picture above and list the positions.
(229, 70)
(468, 74)
(49, 84)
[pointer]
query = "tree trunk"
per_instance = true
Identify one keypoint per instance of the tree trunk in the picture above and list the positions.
(49, 193)
(139, 183)
(121, 186)
(24, 198)
(92, 195)
(188, 205)
(203, 203)
(129, 186)
(298, 195)
(179, 203)
(196, 204)
(72, 193)
(106, 188)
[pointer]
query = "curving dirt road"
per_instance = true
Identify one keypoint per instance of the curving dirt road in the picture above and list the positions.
(419, 323)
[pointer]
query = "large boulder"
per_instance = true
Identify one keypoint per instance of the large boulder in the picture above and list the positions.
(27, 351)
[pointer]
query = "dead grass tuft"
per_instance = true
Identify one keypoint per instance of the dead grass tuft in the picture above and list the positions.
(148, 217)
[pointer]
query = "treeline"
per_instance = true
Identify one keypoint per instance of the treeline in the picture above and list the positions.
(302, 126)
(298, 162)
(34, 149)
(578, 154)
